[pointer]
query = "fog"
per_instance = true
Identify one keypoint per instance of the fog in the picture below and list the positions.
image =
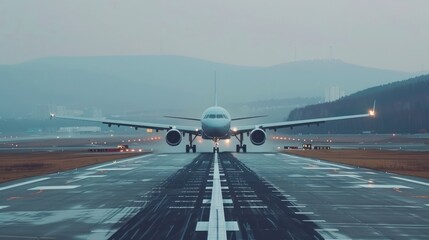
(388, 34)
(142, 60)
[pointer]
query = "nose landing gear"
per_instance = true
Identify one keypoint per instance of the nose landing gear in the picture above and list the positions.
(216, 147)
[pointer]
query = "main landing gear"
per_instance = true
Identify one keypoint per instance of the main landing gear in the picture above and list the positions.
(241, 145)
(191, 146)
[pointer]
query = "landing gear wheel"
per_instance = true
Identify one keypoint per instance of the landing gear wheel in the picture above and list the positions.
(240, 145)
(214, 149)
(191, 146)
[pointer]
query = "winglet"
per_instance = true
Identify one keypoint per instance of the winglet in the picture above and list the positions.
(52, 115)
(372, 112)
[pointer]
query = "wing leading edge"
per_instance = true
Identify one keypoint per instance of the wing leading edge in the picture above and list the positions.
(134, 124)
(291, 124)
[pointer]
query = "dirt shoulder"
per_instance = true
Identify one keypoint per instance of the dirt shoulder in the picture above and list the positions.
(402, 162)
(28, 164)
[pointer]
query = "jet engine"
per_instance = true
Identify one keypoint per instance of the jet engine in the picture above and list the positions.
(258, 136)
(173, 137)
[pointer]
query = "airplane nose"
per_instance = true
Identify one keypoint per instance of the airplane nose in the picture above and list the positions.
(216, 128)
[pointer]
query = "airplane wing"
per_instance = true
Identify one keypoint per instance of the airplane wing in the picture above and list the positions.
(291, 124)
(133, 124)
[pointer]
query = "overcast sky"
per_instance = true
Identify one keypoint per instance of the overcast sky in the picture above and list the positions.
(390, 34)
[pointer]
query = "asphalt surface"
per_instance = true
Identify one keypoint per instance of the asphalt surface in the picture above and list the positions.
(169, 196)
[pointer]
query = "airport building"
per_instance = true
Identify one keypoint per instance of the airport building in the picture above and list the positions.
(333, 93)
(79, 129)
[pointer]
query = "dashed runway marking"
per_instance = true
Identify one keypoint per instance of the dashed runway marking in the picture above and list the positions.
(66, 187)
(115, 169)
(118, 162)
(381, 186)
(412, 181)
(24, 183)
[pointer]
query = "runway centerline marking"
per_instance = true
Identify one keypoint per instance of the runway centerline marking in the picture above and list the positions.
(217, 225)
(24, 183)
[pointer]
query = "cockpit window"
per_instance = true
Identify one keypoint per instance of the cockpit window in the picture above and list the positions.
(215, 116)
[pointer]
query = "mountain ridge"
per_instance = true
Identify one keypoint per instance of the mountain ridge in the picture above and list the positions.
(402, 107)
(120, 84)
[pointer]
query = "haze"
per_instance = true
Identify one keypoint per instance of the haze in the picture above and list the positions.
(386, 34)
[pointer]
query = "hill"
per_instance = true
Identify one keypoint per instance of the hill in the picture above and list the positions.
(402, 107)
(124, 84)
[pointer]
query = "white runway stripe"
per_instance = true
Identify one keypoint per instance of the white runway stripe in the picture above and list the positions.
(23, 183)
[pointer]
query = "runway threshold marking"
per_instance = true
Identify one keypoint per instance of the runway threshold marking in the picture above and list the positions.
(24, 183)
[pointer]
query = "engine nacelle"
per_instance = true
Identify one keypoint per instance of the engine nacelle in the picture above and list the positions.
(173, 137)
(257, 136)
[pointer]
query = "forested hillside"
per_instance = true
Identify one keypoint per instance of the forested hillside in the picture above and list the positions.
(402, 107)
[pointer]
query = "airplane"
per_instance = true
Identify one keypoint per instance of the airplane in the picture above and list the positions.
(215, 125)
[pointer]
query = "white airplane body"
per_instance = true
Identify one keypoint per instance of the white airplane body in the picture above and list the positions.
(215, 125)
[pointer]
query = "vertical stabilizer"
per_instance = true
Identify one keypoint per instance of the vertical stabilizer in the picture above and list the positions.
(215, 88)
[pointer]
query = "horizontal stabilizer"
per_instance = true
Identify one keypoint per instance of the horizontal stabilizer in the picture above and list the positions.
(184, 118)
(243, 118)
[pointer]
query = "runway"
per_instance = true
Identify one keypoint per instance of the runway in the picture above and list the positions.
(181, 196)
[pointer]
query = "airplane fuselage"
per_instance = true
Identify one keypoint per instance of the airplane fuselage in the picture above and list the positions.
(216, 123)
